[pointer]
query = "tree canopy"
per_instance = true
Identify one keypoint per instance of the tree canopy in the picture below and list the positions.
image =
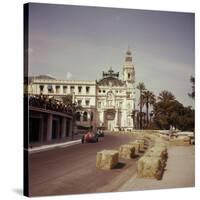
(168, 111)
(192, 94)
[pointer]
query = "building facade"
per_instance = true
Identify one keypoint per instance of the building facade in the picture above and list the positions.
(107, 103)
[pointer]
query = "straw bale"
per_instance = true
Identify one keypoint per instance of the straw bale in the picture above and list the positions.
(156, 134)
(165, 137)
(150, 136)
(150, 167)
(126, 151)
(160, 152)
(141, 142)
(136, 146)
(107, 159)
(161, 145)
(181, 140)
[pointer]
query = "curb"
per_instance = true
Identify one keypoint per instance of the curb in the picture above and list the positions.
(53, 146)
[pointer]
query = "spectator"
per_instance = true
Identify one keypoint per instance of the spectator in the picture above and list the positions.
(42, 101)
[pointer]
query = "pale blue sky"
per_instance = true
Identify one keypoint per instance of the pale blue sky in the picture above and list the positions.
(84, 41)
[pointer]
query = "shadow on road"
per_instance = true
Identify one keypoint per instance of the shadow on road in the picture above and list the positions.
(141, 151)
(136, 156)
(119, 165)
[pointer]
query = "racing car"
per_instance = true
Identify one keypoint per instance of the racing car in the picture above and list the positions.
(89, 137)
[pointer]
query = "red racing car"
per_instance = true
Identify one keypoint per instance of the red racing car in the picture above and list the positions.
(89, 137)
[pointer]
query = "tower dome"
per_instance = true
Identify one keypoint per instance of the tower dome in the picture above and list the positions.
(128, 52)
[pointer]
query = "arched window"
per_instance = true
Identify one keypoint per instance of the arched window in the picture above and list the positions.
(85, 116)
(78, 116)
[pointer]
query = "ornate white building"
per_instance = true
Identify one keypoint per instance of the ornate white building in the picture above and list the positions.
(106, 103)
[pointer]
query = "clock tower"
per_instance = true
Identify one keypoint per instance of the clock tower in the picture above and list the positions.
(128, 69)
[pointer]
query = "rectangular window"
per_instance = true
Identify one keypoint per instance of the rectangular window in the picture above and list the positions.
(41, 88)
(79, 102)
(87, 102)
(128, 94)
(50, 89)
(79, 89)
(87, 89)
(72, 89)
(99, 104)
(57, 89)
(64, 89)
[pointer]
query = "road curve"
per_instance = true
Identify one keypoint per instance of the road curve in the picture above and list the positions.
(71, 170)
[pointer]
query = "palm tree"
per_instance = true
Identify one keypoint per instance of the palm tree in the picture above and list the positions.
(166, 96)
(148, 100)
(134, 117)
(141, 88)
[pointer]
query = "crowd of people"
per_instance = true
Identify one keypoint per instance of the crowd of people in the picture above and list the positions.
(50, 103)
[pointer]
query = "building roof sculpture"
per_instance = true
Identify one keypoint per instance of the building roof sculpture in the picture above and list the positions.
(110, 77)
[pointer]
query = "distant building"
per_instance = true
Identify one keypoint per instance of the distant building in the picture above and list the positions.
(107, 103)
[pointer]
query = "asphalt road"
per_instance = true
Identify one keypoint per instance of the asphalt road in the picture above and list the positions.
(71, 170)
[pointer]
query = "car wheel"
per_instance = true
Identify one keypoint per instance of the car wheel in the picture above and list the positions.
(82, 140)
